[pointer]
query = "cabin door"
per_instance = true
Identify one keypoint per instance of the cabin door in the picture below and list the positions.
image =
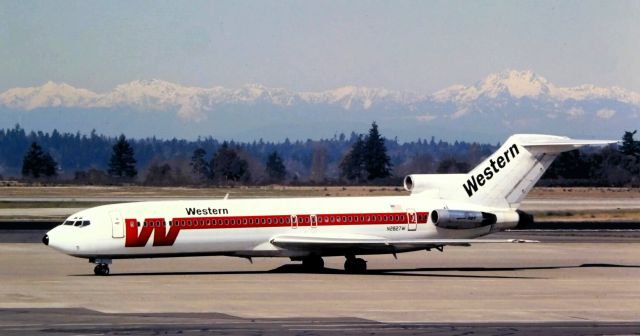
(117, 224)
(412, 220)
(294, 221)
(314, 221)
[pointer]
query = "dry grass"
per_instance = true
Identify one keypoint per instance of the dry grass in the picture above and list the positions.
(142, 192)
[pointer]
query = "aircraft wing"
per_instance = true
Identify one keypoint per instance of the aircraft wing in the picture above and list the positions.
(377, 243)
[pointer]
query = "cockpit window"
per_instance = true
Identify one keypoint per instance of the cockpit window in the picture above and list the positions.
(68, 223)
(86, 223)
(77, 223)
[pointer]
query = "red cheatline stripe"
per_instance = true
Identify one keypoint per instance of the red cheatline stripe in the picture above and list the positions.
(227, 222)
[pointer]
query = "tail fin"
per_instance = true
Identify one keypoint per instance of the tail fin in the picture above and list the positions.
(505, 178)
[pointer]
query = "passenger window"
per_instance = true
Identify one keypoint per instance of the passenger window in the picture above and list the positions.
(244, 221)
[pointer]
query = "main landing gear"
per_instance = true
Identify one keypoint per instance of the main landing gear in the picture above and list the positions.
(355, 265)
(313, 263)
(102, 266)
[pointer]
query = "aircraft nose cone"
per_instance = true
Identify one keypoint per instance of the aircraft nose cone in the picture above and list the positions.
(45, 239)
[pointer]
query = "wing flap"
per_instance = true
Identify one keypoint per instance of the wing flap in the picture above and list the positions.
(367, 242)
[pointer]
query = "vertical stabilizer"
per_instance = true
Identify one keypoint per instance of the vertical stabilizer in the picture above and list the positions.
(505, 178)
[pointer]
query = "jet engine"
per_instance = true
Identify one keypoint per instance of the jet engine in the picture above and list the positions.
(466, 219)
(461, 219)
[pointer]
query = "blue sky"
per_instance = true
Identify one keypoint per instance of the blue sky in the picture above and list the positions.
(418, 46)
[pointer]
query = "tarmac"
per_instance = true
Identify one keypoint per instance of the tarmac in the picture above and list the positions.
(566, 281)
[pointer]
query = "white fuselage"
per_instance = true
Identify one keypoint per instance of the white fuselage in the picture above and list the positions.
(245, 227)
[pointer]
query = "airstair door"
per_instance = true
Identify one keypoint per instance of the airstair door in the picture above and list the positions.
(117, 224)
(412, 220)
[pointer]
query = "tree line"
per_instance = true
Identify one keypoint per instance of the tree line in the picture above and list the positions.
(356, 159)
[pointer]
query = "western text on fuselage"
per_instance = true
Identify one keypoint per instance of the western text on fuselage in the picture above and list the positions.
(206, 211)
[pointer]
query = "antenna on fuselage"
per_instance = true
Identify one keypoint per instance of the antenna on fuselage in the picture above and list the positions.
(226, 196)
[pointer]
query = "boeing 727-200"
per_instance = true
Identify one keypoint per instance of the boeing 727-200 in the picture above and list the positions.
(441, 210)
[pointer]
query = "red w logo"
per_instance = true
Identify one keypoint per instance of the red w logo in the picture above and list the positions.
(139, 236)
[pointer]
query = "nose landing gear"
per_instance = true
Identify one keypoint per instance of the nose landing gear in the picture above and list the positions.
(101, 269)
(102, 266)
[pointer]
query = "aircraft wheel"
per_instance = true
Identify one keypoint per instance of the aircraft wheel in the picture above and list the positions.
(101, 269)
(313, 263)
(355, 265)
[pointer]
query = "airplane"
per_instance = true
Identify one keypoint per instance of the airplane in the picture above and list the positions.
(441, 210)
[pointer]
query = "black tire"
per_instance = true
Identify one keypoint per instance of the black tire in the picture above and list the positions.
(101, 269)
(355, 266)
(360, 266)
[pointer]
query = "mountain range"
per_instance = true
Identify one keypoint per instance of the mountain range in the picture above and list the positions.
(488, 110)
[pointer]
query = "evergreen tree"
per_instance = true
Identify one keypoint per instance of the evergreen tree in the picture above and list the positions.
(275, 169)
(629, 145)
(377, 162)
(199, 166)
(318, 167)
(159, 175)
(227, 167)
(352, 166)
(122, 162)
(37, 163)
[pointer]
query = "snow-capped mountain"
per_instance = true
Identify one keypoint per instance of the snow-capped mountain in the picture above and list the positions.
(501, 103)
(519, 84)
(160, 95)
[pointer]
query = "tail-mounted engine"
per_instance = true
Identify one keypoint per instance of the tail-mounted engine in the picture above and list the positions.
(465, 219)
(461, 219)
